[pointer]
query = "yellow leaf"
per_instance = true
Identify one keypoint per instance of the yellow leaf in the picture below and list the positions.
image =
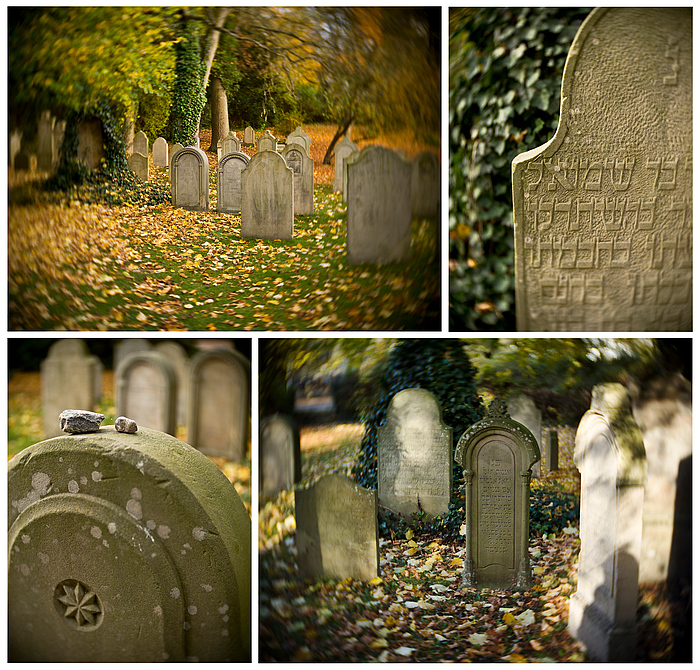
(379, 643)
(376, 581)
(456, 563)
(412, 544)
(409, 532)
(538, 570)
(508, 618)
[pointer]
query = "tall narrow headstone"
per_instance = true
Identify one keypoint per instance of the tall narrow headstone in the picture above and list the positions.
(280, 454)
(59, 131)
(177, 355)
(45, 150)
(523, 409)
(15, 145)
(267, 208)
(139, 164)
(141, 143)
(341, 151)
(298, 136)
(160, 152)
(497, 454)
(603, 211)
(90, 145)
(551, 450)
(414, 456)
(228, 181)
(268, 142)
(425, 186)
(610, 455)
(303, 167)
(249, 136)
(173, 150)
(128, 346)
(337, 534)
(189, 173)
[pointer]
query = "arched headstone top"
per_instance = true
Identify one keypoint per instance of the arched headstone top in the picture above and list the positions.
(234, 155)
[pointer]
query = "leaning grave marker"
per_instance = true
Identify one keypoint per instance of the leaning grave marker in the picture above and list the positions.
(414, 455)
(125, 548)
(497, 455)
(603, 211)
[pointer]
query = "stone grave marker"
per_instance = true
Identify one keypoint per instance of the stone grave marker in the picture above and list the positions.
(523, 409)
(15, 145)
(128, 346)
(497, 454)
(59, 130)
(125, 548)
(551, 450)
(189, 173)
(379, 207)
(45, 150)
(303, 167)
(230, 144)
(341, 151)
(139, 164)
(228, 181)
(609, 453)
(249, 136)
(280, 454)
(141, 143)
(337, 534)
(177, 355)
(146, 391)
(173, 150)
(415, 456)
(218, 414)
(425, 186)
(69, 375)
(90, 148)
(298, 136)
(160, 152)
(603, 211)
(267, 207)
(268, 142)
(346, 161)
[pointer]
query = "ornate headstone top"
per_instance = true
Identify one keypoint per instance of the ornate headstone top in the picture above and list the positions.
(498, 409)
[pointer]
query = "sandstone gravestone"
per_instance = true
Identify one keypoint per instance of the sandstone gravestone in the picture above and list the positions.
(228, 181)
(280, 454)
(146, 391)
(267, 207)
(551, 450)
(267, 142)
(132, 345)
(249, 136)
(189, 173)
(160, 152)
(603, 211)
(90, 148)
(218, 414)
(337, 534)
(303, 167)
(523, 409)
(425, 186)
(298, 136)
(125, 548)
(609, 453)
(341, 151)
(230, 143)
(414, 456)
(141, 143)
(177, 355)
(497, 454)
(139, 164)
(379, 207)
(45, 150)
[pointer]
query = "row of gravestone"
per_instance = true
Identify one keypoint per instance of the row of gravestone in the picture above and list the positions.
(627, 536)
(158, 387)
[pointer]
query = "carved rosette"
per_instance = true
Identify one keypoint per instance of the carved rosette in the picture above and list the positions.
(78, 605)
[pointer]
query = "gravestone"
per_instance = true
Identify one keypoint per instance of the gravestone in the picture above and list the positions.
(69, 375)
(59, 130)
(125, 548)
(346, 161)
(497, 454)
(379, 207)
(141, 143)
(230, 144)
(249, 136)
(146, 391)
(280, 454)
(425, 186)
(267, 206)
(298, 136)
(177, 355)
(341, 151)
(218, 404)
(523, 409)
(139, 164)
(603, 211)
(160, 152)
(414, 456)
(267, 142)
(609, 453)
(228, 181)
(173, 150)
(337, 534)
(303, 167)
(90, 148)
(15, 145)
(45, 150)
(128, 346)
(551, 450)
(189, 173)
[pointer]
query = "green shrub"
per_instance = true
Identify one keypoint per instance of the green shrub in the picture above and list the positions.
(552, 509)
(154, 111)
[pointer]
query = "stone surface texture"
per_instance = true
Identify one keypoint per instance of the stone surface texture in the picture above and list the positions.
(189, 174)
(280, 454)
(80, 421)
(229, 194)
(140, 143)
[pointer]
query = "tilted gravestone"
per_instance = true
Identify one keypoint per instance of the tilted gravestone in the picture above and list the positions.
(551, 450)
(218, 405)
(228, 181)
(268, 142)
(45, 150)
(610, 455)
(145, 390)
(337, 533)
(177, 355)
(497, 454)
(425, 186)
(341, 151)
(125, 548)
(160, 152)
(139, 164)
(303, 167)
(523, 409)
(379, 207)
(141, 143)
(298, 136)
(267, 208)
(249, 136)
(280, 454)
(90, 145)
(230, 143)
(189, 174)
(414, 456)
(603, 211)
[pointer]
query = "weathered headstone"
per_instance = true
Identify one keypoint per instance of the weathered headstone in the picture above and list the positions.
(68, 378)
(551, 450)
(267, 207)
(341, 151)
(189, 173)
(228, 181)
(523, 409)
(230, 143)
(146, 391)
(280, 454)
(132, 345)
(90, 147)
(303, 167)
(298, 136)
(337, 534)
(15, 145)
(610, 455)
(173, 150)
(59, 130)
(346, 161)
(141, 143)
(414, 456)
(177, 355)
(125, 548)
(603, 211)
(45, 150)
(268, 142)
(497, 454)
(139, 164)
(425, 186)
(379, 207)
(249, 136)
(160, 152)
(218, 414)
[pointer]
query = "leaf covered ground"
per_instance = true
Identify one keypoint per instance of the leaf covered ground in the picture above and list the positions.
(77, 266)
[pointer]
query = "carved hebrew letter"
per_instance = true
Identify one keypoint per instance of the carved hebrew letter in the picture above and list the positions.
(620, 172)
(538, 169)
(671, 165)
(595, 167)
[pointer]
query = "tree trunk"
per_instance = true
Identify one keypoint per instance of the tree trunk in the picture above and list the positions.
(342, 129)
(218, 104)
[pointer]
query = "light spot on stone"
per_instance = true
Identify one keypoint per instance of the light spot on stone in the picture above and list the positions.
(158, 610)
(224, 633)
(150, 524)
(186, 625)
(73, 486)
(96, 532)
(164, 532)
(26, 538)
(106, 544)
(153, 555)
(96, 464)
(24, 569)
(175, 593)
(41, 483)
(139, 466)
(223, 610)
(166, 655)
(224, 618)
(70, 471)
(199, 533)
(183, 552)
(207, 588)
(134, 508)
(187, 545)
(136, 493)
(112, 527)
(192, 609)
(60, 460)
(96, 476)
(83, 481)
(44, 558)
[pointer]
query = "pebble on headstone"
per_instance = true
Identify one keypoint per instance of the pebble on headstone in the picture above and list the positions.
(80, 421)
(124, 425)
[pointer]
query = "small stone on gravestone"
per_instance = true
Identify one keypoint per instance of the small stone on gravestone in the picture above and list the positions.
(603, 211)
(80, 421)
(124, 425)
